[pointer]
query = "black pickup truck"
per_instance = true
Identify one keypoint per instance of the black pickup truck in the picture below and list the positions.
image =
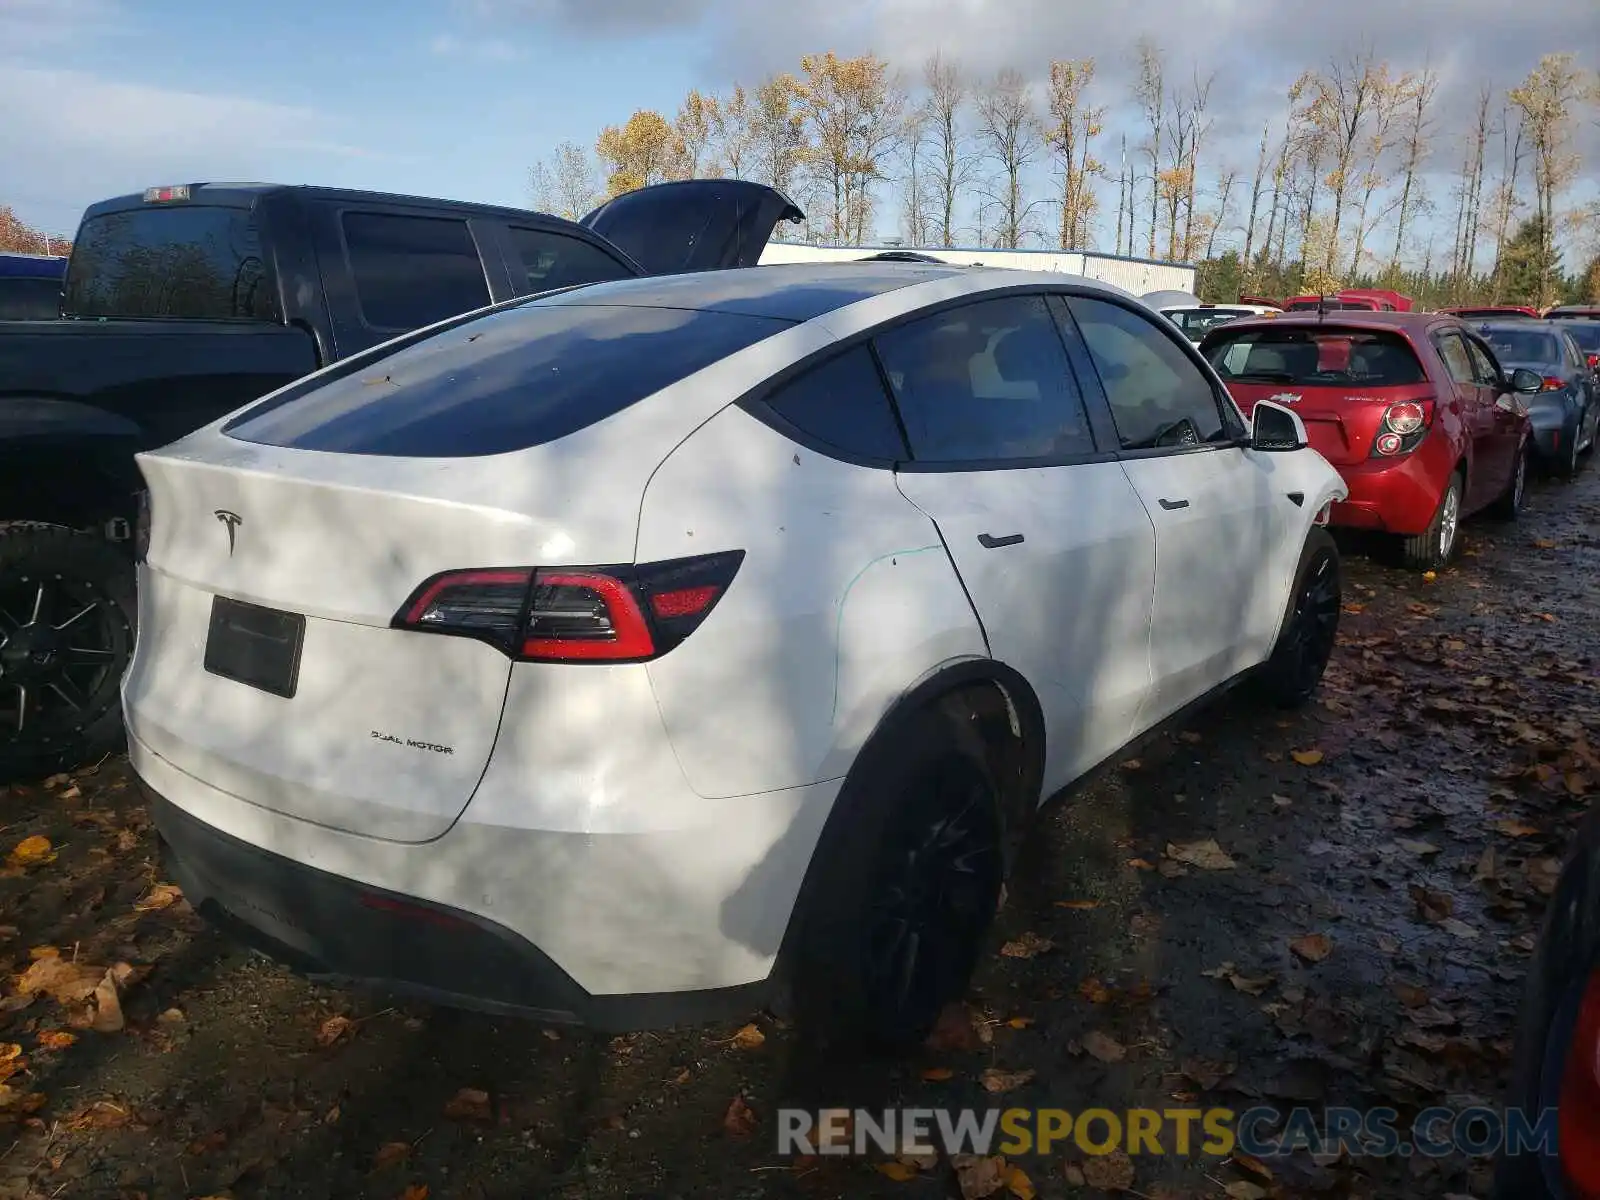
(187, 302)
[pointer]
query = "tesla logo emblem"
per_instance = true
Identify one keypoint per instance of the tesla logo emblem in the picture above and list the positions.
(232, 520)
(1285, 398)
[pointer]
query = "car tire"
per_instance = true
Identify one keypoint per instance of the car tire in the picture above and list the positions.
(1561, 970)
(1433, 547)
(1289, 678)
(1508, 507)
(909, 884)
(67, 613)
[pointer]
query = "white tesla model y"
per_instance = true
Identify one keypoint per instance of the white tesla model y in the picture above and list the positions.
(629, 653)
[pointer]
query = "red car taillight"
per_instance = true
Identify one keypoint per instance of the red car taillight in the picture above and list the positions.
(1402, 429)
(1553, 384)
(574, 614)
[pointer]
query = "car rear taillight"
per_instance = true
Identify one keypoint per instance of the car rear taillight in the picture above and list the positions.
(1402, 428)
(574, 614)
(1552, 384)
(1594, 362)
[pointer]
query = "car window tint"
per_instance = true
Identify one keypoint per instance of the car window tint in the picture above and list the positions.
(1524, 345)
(1320, 357)
(500, 381)
(188, 261)
(842, 402)
(1456, 359)
(413, 271)
(986, 381)
(546, 260)
(1484, 368)
(1158, 396)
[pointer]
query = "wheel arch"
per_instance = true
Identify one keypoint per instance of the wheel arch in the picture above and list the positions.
(984, 699)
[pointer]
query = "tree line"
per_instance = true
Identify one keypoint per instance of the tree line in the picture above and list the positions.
(1338, 193)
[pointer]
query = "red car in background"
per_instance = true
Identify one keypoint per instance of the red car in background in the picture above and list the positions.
(1411, 408)
(1489, 312)
(1359, 299)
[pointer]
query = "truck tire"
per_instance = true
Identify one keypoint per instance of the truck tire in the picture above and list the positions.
(67, 614)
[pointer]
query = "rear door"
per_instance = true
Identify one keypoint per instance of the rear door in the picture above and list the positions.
(1487, 478)
(389, 269)
(1218, 532)
(1044, 528)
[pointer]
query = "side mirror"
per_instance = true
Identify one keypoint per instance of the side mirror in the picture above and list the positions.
(1273, 428)
(1525, 381)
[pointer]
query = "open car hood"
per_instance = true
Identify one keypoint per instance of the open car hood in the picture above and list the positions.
(694, 224)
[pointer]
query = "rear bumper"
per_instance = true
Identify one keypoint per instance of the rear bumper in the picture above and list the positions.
(615, 931)
(1392, 496)
(338, 932)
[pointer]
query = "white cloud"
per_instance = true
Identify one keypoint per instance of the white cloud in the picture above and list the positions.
(485, 49)
(29, 25)
(75, 138)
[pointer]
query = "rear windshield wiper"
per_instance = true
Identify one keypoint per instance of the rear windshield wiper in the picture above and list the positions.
(1265, 376)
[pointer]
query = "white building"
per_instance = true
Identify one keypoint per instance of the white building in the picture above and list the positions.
(1137, 275)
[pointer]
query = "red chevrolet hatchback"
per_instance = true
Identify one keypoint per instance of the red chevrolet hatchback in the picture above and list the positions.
(1412, 409)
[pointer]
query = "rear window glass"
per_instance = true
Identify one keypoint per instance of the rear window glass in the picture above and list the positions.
(503, 381)
(1197, 322)
(1587, 336)
(1309, 358)
(1523, 345)
(186, 261)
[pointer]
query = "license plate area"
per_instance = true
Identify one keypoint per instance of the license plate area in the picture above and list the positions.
(256, 646)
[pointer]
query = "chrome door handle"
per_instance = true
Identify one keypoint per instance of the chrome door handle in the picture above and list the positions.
(1169, 505)
(994, 543)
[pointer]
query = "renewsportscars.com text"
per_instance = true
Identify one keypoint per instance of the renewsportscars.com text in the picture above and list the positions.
(1262, 1132)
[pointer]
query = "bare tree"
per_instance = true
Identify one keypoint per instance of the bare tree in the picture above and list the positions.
(1418, 145)
(777, 131)
(1247, 266)
(1074, 124)
(1122, 200)
(1215, 221)
(1341, 106)
(694, 124)
(914, 192)
(1194, 124)
(1009, 129)
(1547, 99)
(1506, 200)
(1387, 100)
(854, 108)
(733, 133)
(946, 103)
(1150, 91)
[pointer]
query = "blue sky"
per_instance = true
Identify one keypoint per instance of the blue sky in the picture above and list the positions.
(431, 98)
(459, 98)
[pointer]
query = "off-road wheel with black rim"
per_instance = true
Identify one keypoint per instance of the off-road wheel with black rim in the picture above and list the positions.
(1290, 677)
(910, 880)
(1433, 547)
(67, 615)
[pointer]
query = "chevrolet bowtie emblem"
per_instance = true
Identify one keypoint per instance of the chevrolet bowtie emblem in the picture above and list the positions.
(1280, 398)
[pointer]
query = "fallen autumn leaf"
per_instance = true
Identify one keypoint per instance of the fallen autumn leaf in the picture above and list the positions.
(1205, 854)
